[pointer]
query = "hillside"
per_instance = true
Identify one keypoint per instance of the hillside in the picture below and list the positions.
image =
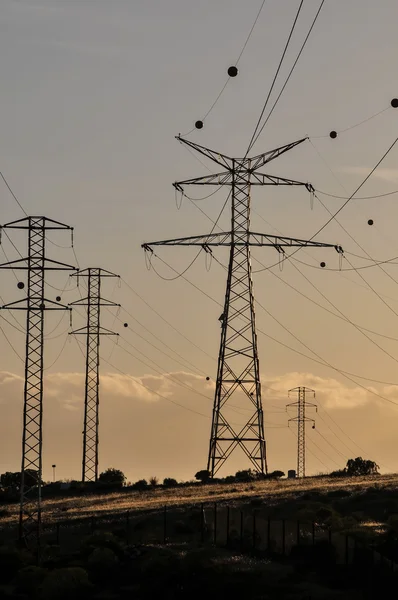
(368, 499)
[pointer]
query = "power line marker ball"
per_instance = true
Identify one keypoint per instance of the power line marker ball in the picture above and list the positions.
(394, 102)
(20, 285)
(232, 71)
(333, 135)
(370, 222)
(323, 265)
(199, 124)
(58, 298)
(207, 378)
(125, 324)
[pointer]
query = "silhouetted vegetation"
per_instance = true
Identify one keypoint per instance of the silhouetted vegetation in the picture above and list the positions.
(357, 467)
(112, 476)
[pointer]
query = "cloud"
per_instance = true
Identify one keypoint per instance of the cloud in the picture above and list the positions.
(385, 174)
(332, 394)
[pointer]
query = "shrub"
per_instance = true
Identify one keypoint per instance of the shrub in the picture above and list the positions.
(183, 527)
(140, 485)
(112, 476)
(153, 481)
(170, 482)
(245, 475)
(66, 584)
(203, 475)
(10, 563)
(102, 563)
(29, 579)
(103, 539)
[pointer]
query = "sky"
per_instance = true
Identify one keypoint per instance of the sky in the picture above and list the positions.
(93, 94)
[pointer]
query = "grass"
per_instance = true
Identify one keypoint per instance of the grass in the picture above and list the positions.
(361, 494)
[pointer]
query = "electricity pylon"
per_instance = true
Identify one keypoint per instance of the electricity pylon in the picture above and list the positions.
(301, 420)
(238, 366)
(92, 331)
(35, 305)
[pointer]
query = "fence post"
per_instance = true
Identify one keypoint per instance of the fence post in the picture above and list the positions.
(127, 526)
(268, 534)
(215, 523)
(165, 524)
(254, 530)
(241, 528)
(57, 533)
(202, 522)
(298, 533)
(313, 533)
(283, 537)
(227, 525)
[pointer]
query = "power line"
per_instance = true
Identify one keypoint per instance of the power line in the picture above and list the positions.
(251, 143)
(13, 195)
(164, 319)
(236, 63)
(290, 73)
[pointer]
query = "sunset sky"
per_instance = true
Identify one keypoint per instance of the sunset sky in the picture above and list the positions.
(93, 93)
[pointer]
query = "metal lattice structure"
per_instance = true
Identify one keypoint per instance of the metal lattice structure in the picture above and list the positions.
(238, 365)
(93, 332)
(301, 421)
(35, 305)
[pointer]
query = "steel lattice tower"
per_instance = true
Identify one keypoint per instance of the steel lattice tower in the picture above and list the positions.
(238, 365)
(35, 305)
(92, 331)
(301, 420)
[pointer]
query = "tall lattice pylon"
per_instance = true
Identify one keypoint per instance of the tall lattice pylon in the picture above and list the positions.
(35, 304)
(93, 331)
(301, 420)
(238, 366)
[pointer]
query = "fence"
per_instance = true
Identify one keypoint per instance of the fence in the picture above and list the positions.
(220, 525)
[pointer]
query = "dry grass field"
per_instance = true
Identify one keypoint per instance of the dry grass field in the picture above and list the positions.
(268, 493)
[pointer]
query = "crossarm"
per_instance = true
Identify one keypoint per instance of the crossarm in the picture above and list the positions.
(251, 239)
(225, 178)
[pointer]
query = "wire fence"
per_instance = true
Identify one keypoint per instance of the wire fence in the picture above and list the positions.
(246, 530)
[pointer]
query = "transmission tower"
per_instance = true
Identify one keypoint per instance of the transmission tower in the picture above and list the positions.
(35, 304)
(92, 331)
(301, 420)
(238, 366)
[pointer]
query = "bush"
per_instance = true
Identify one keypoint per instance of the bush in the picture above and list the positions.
(29, 579)
(183, 527)
(10, 563)
(112, 476)
(103, 539)
(140, 485)
(170, 482)
(102, 562)
(245, 475)
(153, 481)
(66, 584)
(203, 475)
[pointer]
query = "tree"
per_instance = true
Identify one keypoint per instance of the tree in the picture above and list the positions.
(203, 475)
(170, 482)
(153, 481)
(359, 466)
(13, 480)
(112, 476)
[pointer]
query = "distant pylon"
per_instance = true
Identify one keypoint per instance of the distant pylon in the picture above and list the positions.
(35, 304)
(238, 365)
(301, 420)
(92, 331)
